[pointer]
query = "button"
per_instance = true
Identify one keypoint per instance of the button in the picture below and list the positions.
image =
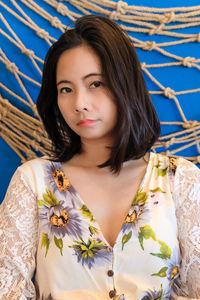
(112, 293)
(110, 273)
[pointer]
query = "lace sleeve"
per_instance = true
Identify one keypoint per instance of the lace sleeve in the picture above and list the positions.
(18, 240)
(187, 201)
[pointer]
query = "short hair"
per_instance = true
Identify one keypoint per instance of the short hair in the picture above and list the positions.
(137, 127)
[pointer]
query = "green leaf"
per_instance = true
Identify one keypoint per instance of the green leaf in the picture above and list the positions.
(126, 238)
(145, 233)
(165, 251)
(84, 248)
(90, 254)
(50, 199)
(93, 229)
(92, 244)
(140, 237)
(41, 203)
(86, 213)
(162, 172)
(148, 232)
(160, 255)
(59, 244)
(158, 165)
(85, 255)
(161, 273)
(158, 189)
(45, 242)
(140, 198)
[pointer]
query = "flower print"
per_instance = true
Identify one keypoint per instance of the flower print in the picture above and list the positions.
(173, 266)
(156, 294)
(165, 251)
(93, 230)
(139, 213)
(57, 218)
(156, 197)
(56, 177)
(91, 253)
(173, 161)
(162, 168)
(126, 238)
(146, 232)
(87, 213)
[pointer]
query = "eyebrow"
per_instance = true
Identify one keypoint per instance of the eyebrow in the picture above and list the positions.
(85, 77)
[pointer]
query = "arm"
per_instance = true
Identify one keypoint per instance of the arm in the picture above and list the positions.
(187, 201)
(18, 240)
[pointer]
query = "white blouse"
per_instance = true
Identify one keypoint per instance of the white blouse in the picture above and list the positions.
(46, 226)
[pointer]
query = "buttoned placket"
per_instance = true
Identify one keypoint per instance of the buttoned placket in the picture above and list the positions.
(110, 274)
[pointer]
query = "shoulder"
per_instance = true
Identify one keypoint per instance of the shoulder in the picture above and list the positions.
(32, 173)
(34, 165)
(186, 183)
(176, 165)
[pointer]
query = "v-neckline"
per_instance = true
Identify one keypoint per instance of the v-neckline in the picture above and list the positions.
(129, 210)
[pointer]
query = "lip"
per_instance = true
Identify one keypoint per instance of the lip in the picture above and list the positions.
(86, 122)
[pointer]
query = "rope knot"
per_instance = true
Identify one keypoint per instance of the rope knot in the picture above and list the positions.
(3, 112)
(12, 67)
(168, 153)
(143, 65)
(35, 145)
(30, 154)
(167, 18)
(42, 33)
(168, 92)
(190, 124)
(37, 136)
(114, 15)
(169, 143)
(55, 22)
(188, 61)
(149, 45)
(198, 37)
(62, 9)
(156, 29)
(121, 7)
(26, 51)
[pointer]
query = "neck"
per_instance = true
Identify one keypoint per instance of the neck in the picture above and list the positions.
(93, 153)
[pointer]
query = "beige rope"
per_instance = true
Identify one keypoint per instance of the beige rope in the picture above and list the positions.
(25, 134)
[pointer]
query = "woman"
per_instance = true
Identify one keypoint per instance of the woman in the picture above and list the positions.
(101, 218)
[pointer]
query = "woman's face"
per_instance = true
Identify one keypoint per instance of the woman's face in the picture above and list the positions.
(84, 99)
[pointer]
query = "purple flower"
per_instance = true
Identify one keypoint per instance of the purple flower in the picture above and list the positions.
(173, 266)
(91, 253)
(137, 217)
(156, 294)
(57, 218)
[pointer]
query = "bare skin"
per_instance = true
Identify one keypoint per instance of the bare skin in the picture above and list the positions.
(108, 196)
(89, 108)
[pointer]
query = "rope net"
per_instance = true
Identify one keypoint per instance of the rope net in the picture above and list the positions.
(20, 125)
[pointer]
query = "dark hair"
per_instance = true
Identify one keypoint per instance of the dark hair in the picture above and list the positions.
(138, 126)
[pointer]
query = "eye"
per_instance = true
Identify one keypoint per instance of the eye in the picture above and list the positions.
(96, 84)
(65, 90)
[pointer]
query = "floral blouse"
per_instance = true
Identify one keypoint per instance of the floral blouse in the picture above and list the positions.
(45, 225)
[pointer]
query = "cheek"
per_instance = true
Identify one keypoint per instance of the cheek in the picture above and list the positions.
(64, 109)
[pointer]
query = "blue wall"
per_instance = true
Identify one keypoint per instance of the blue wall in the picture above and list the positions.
(178, 78)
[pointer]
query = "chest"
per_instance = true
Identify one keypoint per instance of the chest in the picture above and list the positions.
(108, 198)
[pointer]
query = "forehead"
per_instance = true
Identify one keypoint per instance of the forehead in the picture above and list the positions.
(81, 59)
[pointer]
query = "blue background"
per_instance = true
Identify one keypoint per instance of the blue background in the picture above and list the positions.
(177, 78)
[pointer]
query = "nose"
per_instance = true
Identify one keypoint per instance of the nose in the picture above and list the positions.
(81, 102)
